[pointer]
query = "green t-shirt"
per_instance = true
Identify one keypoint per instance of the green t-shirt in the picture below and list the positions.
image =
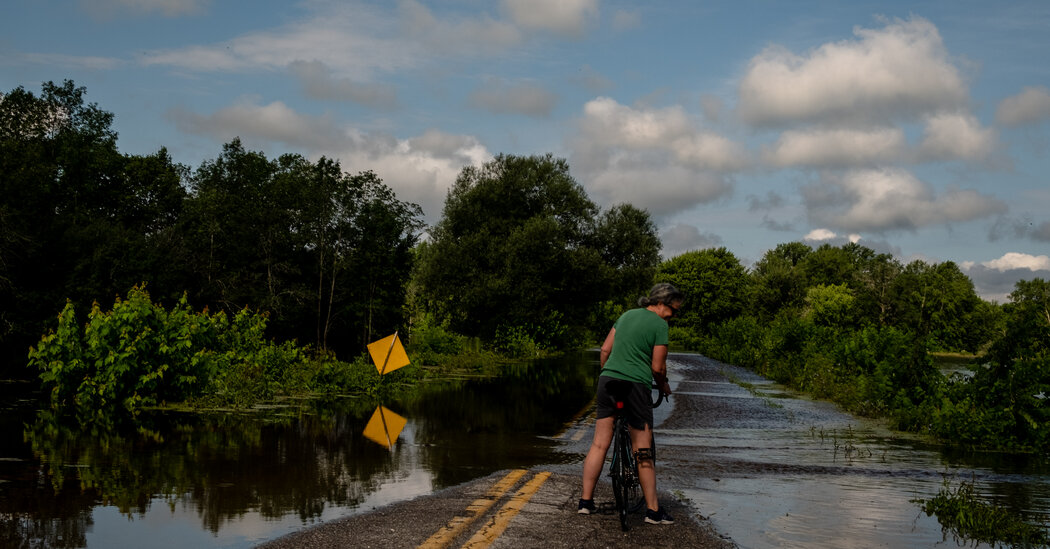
(637, 332)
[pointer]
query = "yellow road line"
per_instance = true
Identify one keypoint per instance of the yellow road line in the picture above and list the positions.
(579, 434)
(484, 537)
(455, 527)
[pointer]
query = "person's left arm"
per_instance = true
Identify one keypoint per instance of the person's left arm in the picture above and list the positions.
(659, 367)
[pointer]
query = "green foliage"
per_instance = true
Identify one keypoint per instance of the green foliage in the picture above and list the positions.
(323, 251)
(714, 283)
(140, 354)
(516, 342)
(961, 511)
(77, 218)
(831, 305)
(520, 247)
(857, 328)
(136, 354)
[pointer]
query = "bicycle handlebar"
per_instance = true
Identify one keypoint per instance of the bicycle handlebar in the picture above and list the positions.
(660, 398)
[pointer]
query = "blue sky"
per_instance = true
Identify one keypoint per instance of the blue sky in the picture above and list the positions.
(920, 129)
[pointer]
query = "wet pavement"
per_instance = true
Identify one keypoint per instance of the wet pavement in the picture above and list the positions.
(548, 519)
(741, 462)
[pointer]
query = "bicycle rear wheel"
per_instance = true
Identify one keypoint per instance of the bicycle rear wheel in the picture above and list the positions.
(622, 473)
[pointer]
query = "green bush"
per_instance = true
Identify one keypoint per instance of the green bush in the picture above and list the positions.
(140, 354)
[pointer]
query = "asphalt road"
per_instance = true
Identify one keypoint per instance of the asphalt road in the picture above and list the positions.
(534, 508)
(477, 514)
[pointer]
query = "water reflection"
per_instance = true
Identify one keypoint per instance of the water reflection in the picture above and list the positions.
(385, 427)
(243, 475)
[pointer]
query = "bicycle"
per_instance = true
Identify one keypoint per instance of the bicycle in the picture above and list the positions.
(624, 468)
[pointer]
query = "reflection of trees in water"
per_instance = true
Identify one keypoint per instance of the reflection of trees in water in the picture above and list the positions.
(478, 424)
(220, 465)
(296, 460)
(44, 518)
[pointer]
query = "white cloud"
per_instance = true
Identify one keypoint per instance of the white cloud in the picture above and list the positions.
(656, 159)
(956, 135)
(820, 234)
(682, 237)
(997, 278)
(61, 60)
(481, 35)
(1031, 106)
(168, 8)
(891, 199)
(660, 190)
(419, 169)
(899, 70)
(610, 125)
(527, 98)
(566, 17)
(356, 40)
(318, 83)
(353, 41)
(837, 147)
(275, 122)
(1015, 260)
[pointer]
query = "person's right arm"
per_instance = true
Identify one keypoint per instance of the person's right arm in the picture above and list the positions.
(607, 347)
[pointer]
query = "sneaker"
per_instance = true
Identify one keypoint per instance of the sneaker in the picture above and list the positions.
(586, 507)
(658, 517)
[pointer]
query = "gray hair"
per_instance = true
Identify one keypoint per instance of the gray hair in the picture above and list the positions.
(661, 293)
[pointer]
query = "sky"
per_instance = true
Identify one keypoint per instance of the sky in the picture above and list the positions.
(919, 129)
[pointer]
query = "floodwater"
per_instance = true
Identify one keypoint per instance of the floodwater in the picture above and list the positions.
(768, 469)
(772, 469)
(173, 479)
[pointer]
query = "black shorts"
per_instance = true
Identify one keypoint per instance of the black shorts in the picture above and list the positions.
(637, 399)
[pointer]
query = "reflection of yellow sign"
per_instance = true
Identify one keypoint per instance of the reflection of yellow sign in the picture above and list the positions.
(388, 354)
(384, 427)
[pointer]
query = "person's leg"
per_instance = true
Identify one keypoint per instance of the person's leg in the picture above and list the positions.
(595, 460)
(642, 439)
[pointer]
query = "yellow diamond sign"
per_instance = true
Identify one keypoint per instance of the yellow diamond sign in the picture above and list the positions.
(388, 354)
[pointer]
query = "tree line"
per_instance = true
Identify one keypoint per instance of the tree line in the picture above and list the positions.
(861, 328)
(521, 261)
(324, 253)
(521, 257)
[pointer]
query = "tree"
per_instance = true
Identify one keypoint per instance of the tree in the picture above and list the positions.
(777, 281)
(830, 265)
(322, 251)
(939, 301)
(714, 282)
(630, 247)
(1027, 315)
(875, 281)
(832, 305)
(518, 246)
(78, 220)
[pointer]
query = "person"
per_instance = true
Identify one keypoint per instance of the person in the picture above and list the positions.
(632, 356)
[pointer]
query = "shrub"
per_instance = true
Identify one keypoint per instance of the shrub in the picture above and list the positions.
(139, 354)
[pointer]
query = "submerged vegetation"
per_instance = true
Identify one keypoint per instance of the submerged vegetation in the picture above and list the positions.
(962, 513)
